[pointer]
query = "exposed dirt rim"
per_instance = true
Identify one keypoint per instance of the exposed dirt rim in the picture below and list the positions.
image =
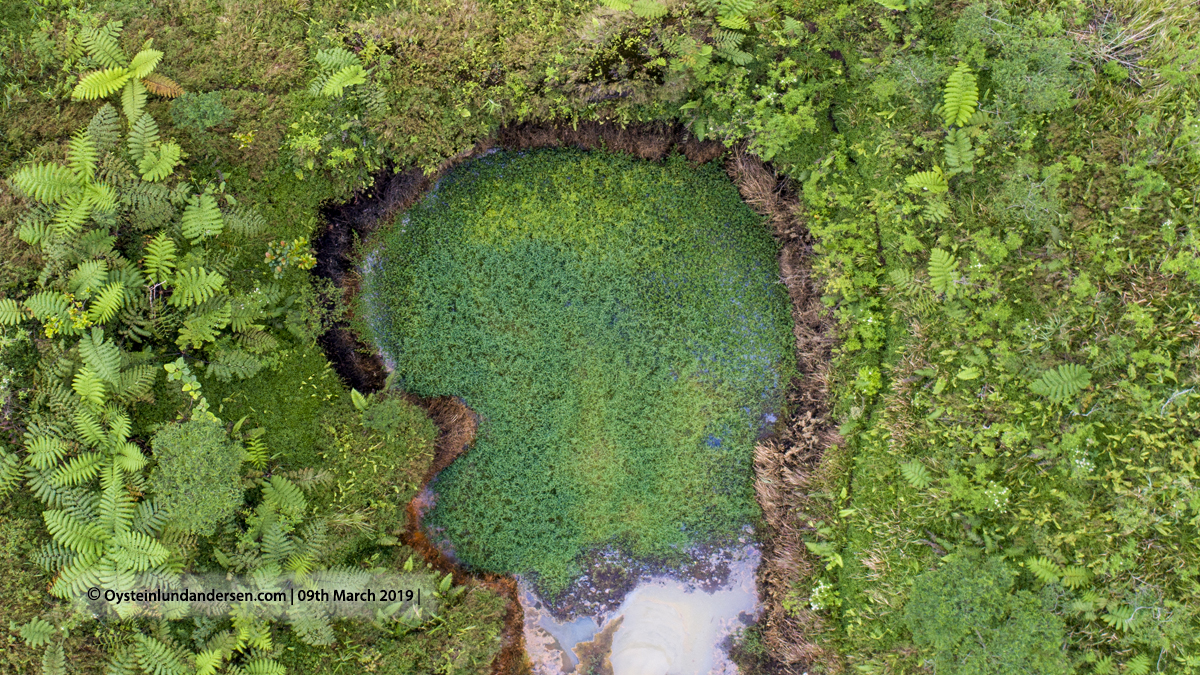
(788, 460)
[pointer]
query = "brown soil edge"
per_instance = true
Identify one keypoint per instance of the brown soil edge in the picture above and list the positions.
(786, 464)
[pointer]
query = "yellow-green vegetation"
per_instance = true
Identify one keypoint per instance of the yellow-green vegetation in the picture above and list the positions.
(1000, 202)
(618, 326)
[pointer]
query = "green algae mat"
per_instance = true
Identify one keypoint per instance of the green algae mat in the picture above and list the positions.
(620, 328)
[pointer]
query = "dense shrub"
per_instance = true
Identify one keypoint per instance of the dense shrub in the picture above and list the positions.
(198, 477)
(969, 616)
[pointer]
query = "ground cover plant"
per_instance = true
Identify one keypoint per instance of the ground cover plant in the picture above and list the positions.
(617, 326)
(996, 201)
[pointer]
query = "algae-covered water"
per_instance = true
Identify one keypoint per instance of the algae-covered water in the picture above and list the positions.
(620, 329)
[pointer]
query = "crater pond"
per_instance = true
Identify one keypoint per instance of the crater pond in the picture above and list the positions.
(620, 330)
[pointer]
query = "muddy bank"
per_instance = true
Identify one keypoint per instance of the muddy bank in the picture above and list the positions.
(786, 464)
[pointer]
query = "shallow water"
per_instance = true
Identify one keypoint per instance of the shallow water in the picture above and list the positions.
(669, 626)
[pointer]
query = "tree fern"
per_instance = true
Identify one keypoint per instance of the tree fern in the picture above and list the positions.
(201, 219)
(194, 286)
(943, 271)
(1063, 382)
(159, 161)
(142, 135)
(101, 44)
(100, 83)
(45, 182)
(960, 96)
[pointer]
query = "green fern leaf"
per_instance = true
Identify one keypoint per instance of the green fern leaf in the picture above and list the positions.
(264, 667)
(207, 662)
(115, 507)
(101, 44)
(89, 276)
(1075, 576)
(619, 5)
(1045, 569)
(194, 286)
(107, 303)
(337, 59)
(149, 518)
(130, 458)
(71, 216)
(138, 551)
(10, 472)
(201, 219)
(733, 21)
(54, 661)
(85, 538)
(933, 182)
(79, 470)
(11, 313)
(89, 386)
(136, 383)
(960, 96)
(346, 77)
(204, 326)
(156, 658)
(1138, 665)
(100, 83)
(159, 262)
(101, 355)
(37, 632)
(142, 135)
(133, 99)
(159, 161)
(1063, 382)
(88, 427)
(105, 128)
(285, 496)
(45, 451)
(649, 9)
(943, 271)
(101, 197)
(245, 222)
(916, 474)
(48, 304)
(960, 156)
(144, 62)
(82, 156)
(48, 183)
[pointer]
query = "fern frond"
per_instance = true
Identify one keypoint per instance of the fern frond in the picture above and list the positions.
(960, 156)
(346, 77)
(337, 59)
(156, 658)
(84, 538)
(194, 286)
(245, 222)
(138, 551)
(82, 155)
(649, 9)
(1045, 569)
(37, 632)
(130, 458)
(101, 44)
(159, 161)
(204, 326)
(89, 276)
(136, 382)
(100, 83)
(71, 216)
(933, 182)
(201, 219)
(227, 364)
(149, 518)
(133, 99)
(89, 386)
(207, 662)
(142, 135)
(79, 470)
(11, 313)
(160, 85)
(101, 355)
(105, 128)
(52, 557)
(101, 197)
(1075, 577)
(107, 303)
(48, 304)
(943, 271)
(159, 262)
(54, 661)
(619, 5)
(48, 183)
(1063, 382)
(960, 96)
(115, 508)
(285, 496)
(916, 474)
(88, 426)
(264, 667)
(144, 62)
